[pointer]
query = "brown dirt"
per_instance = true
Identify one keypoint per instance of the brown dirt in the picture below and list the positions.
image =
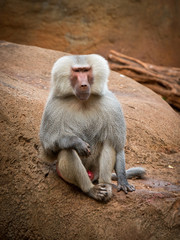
(36, 204)
(142, 29)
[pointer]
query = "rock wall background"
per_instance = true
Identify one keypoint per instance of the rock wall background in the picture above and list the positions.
(146, 30)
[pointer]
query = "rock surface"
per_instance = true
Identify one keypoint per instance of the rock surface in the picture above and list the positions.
(36, 204)
(141, 29)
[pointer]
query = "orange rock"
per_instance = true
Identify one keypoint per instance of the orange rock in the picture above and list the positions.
(36, 204)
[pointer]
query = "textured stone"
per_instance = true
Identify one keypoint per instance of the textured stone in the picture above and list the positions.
(36, 204)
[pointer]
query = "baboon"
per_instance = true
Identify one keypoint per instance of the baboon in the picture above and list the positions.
(84, 127)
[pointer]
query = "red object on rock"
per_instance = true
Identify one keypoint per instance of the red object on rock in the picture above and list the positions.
(90, 174)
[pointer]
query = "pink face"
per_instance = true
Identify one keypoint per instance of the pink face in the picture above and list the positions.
(81, 81)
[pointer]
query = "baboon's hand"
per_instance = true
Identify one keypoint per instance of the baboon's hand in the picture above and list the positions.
(83, 149)
(126, 187)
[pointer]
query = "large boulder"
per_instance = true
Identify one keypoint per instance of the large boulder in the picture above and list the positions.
(36, 204)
